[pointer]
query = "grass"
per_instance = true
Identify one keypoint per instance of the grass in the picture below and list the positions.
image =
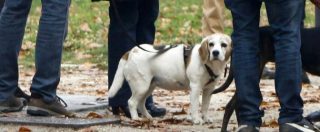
(179, 22)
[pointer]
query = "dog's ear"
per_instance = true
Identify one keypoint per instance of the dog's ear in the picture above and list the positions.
(204, 51)
(228, 41)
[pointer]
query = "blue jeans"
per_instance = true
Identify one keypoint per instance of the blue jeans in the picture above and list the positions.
(139, 17)
(285, 18)
(49, 45)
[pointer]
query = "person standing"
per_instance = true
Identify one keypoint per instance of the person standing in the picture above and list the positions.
(138, 17)
(49, 45)
(285, 20)
(213, 17)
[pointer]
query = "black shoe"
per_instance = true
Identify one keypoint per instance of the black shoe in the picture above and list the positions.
(155, 111)
(302, 126)
(37, 107)
(20, 94)
(12, 104)
(314, 116)
(116, 110)
(247, 128)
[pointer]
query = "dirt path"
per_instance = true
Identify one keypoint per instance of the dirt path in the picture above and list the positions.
(89, 80)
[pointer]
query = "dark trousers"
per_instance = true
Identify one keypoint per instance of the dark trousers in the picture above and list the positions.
(139, 17)
(51, 34)
(285, 18)
(1, 4)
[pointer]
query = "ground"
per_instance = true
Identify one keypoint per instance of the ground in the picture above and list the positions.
(89, 80)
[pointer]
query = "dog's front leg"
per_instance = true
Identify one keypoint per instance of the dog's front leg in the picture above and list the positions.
(206, 97)
(194, 101)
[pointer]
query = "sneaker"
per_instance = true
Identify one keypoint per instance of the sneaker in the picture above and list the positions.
(247, 128)
(37, 107)
(302, 126)
(12, 104)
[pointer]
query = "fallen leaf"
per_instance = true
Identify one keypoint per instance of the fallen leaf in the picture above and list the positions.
(85, 27)
(24, 129)
(272, 124)
(93, 115)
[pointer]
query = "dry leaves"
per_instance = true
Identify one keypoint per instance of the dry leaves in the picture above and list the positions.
(24, 129)
(93, 115)
(273, 123)
(85, 27)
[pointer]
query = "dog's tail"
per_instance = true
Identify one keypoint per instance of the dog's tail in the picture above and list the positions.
(118, 78)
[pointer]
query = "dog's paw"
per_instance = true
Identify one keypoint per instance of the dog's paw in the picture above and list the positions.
(197, 121)
(208, 120)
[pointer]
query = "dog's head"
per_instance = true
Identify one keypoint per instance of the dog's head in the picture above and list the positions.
(216, 47)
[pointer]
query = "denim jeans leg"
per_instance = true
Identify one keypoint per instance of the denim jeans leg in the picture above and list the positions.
(119, 43)
(49, 47)
(246, 15)
(285, 19)
(12, 26)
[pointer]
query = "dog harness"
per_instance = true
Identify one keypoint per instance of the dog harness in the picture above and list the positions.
(213, 76)
(187, 50)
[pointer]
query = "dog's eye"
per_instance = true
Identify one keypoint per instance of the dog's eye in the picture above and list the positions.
(224, 45)
(211, 44)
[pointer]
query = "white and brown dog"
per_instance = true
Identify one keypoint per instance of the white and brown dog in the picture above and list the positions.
(171, 70)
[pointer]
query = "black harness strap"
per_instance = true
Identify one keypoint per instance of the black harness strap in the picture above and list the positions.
(213, 76)
(187, 50)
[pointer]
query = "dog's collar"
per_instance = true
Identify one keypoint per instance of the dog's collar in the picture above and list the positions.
(213, 76)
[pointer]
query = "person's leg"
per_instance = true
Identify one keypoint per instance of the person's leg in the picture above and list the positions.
(12, 26)
(213, 17)
(119, 44)
(13, 20)
(246, 14)
(285, 20)
(148, 14)
(49, 45)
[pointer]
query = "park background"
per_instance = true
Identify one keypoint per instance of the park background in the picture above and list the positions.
(85, 62)
(179, 22)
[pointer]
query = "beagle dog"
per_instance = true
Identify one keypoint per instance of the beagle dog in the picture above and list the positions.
(172, 70)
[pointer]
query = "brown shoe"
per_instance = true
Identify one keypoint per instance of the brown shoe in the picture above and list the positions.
(12, 104)
(37, 107)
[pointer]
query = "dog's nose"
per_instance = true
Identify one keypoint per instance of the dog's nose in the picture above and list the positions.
(215, 53)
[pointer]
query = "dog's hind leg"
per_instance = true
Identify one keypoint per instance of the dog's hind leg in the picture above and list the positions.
(139, 89)
(142, 107)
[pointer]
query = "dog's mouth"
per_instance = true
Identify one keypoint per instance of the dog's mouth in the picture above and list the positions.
(215, 58)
